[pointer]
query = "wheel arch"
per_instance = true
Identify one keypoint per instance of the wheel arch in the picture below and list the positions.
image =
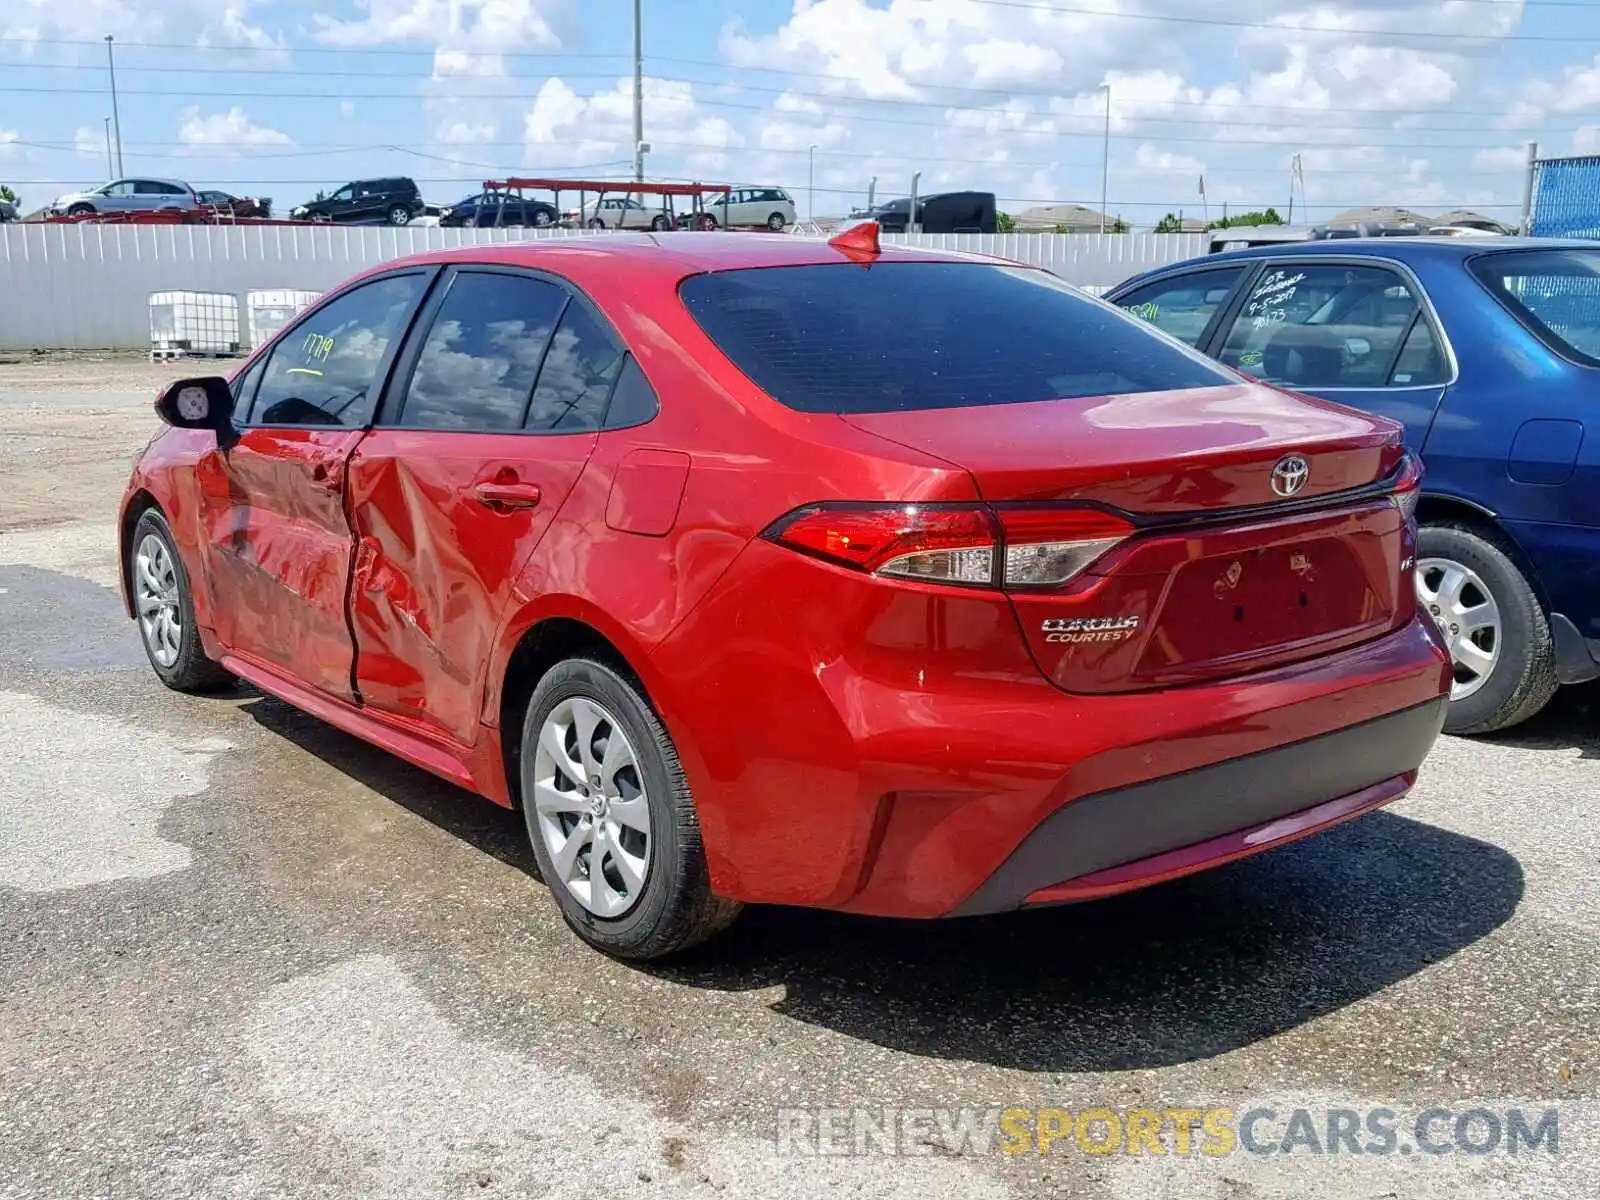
(535, 644)
(1436, 508)
(138, 503)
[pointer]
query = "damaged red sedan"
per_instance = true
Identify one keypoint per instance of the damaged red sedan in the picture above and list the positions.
(766, 570)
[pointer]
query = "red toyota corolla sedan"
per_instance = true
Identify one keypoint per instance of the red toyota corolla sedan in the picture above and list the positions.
(760, 569)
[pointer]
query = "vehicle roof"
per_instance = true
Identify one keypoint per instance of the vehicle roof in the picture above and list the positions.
(1403, 248)
(676, 254)
(144, 179)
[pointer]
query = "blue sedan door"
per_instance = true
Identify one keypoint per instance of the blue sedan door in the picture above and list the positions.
(1355, 331)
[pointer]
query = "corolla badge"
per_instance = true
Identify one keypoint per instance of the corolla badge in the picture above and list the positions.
(1089, 629)
(1289, 475)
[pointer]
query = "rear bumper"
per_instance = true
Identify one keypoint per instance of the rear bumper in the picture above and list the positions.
(1132, 837)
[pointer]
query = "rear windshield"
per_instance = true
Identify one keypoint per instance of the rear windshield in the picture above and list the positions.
(848, 338)
(1555, 293)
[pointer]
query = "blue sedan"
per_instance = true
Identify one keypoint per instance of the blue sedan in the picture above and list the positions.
(1487, 350)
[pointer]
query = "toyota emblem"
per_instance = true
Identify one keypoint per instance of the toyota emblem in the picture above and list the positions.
(1290, 475)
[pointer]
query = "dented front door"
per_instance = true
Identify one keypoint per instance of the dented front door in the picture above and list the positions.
(279, 551)
(278, 543)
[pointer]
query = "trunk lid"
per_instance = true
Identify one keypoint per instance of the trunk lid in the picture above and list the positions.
(1209, 582)
(1156, 452)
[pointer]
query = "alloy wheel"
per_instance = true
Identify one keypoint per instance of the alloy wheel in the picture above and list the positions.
(591, 809)
(156, 597)
(1468, 618)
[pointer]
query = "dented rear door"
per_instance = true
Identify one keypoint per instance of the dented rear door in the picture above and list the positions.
(497, 403)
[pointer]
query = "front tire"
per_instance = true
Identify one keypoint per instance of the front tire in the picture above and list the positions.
(80, 209)
(596, 223)
(164, 609)
(610, 816)
(1489, 617)
(776, 222)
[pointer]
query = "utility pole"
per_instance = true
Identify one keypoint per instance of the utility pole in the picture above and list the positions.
(811, 185)
(912, 225)
(1527, 189)
(111, 171)
(111, 62)
(872, 192)
(1105, 162)
(638, 95)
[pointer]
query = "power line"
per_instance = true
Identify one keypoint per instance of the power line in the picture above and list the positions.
(1281, 27)
(1094, 117)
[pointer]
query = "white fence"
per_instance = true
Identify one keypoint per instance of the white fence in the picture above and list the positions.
(89, 286)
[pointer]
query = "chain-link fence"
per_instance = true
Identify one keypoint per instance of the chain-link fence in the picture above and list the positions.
(1566, 197)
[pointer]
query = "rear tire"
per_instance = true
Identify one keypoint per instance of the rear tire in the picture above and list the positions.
(673, 907)
(164, 610)
(399, 215)
(1522, 679)
(659, 224)
(596, 223)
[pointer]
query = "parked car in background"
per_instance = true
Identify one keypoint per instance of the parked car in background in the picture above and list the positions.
(228, 205)
(745, 593)
(128, 195)
(8, 211)
(494, 209)
(947, 212)
(393, 200)
(750, 207)
(617, 212)
(1488, 351)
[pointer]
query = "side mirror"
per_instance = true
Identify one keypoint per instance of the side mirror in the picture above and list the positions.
(197, 404)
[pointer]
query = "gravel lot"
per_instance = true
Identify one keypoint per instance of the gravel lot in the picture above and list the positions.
(242, 954)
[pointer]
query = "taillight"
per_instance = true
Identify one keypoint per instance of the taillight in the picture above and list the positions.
(964, 544)
(1045, 547)
(1408, 489)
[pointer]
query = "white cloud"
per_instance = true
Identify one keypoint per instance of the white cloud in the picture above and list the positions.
(1501, 158)
(599, 127)
(462, 24)
(225, 134)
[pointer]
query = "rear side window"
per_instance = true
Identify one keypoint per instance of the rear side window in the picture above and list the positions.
(477, 366)
(843, 338)
(1555, 293)
(575, 381)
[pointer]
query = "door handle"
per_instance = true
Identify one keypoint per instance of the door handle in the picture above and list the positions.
(506, 496)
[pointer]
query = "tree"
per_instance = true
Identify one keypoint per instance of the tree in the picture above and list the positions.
(1005, 223)
(7, 194)
(1268, 217)
(1117, 226)
(1171, 223)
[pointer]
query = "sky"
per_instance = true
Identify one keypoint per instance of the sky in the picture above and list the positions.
(1428, 104)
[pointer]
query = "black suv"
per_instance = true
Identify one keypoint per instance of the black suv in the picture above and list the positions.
(393, 200)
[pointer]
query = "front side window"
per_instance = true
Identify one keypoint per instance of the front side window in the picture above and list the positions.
(477, 366)
(122, 187)
(325, 371)
(1183, 306)
(843, 338)
(1306, 325)
(345, 193)
(1554, 293)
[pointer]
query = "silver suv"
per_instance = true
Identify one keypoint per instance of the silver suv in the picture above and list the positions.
(128, 195)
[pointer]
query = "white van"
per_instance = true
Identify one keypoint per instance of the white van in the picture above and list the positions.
(749, 207)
